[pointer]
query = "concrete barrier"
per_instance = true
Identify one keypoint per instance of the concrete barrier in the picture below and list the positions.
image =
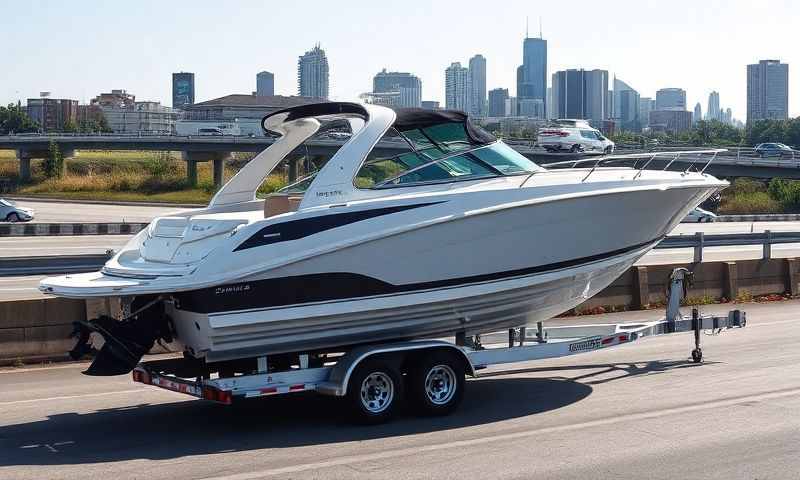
(36, 329)
(55, 229)
(763, 217)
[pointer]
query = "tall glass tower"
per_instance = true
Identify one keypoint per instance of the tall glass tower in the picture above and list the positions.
(532, 74)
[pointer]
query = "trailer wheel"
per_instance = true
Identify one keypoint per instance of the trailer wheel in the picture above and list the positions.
(436, 384)
(373, 392)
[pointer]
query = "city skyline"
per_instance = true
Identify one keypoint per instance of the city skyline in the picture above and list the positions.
(228, 65)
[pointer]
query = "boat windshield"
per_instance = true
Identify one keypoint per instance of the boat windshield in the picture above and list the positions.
(437, 165)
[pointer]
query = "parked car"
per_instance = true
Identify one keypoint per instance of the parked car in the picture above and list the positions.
(699, 215)
(11, 212)
(773, 150)
(574, 136)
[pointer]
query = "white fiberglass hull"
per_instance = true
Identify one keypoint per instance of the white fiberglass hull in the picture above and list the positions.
(475, 308)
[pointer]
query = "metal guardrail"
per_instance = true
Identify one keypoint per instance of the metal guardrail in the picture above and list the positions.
(700, 240)
(14, 266)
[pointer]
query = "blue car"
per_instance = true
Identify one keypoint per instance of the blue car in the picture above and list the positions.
(773, 150)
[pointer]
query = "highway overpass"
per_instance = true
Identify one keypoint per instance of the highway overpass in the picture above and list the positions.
(739, 163)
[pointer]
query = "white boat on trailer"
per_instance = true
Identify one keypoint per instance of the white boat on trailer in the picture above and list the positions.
(454, 233)
(429, 374)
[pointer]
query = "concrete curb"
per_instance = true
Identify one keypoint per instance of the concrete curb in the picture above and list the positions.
(771, 217)
(56, 229)
(106, 202)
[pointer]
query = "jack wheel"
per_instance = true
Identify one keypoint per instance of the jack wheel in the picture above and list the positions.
(697, 355)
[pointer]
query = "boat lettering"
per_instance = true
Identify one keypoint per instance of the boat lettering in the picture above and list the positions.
(232, 289)
(331, 193)
(584, 345)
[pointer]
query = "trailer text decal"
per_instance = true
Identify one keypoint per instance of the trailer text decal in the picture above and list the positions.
(590, 344)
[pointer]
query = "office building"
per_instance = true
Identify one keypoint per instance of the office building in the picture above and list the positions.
(182, 89)
(671, 99)
(457, 87)
(477, 74)
(125, 115)
(265, 84)
(670, 121)
(430, 105)
(512, 107)
(767, 90)
(312, 74)
(581, 94)
(698, 113)
(532, 74)
(531, 108)
(52, 114)
(404, 88)
(713, 110)
(625, 106)
(646, 105)
(497, 102)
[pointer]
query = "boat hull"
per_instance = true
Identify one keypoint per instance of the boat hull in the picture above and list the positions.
(495, 269)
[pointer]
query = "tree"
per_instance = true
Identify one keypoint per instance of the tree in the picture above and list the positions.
(13, 119)
(70, 126)
(54, 163)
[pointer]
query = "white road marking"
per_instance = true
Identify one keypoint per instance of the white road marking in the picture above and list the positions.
(51, 447)
(408, 452)
(70, 397)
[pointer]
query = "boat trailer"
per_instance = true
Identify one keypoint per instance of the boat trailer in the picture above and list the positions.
(427, 373)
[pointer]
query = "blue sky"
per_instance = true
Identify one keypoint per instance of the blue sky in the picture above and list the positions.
(77, 49)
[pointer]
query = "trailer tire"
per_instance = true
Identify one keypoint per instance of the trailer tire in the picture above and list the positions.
(374, 391)
(436, 383)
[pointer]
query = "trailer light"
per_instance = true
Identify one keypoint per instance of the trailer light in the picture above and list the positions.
(141, 377)
(217, 395)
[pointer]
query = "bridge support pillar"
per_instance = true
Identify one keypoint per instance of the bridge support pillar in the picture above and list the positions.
(25, 169)
(218, 159)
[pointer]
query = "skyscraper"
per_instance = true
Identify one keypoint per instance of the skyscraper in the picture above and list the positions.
(182, 89)
(698, 113)
(671, 99)
(497, 102)
(265, 84)
(581, 94)
(312, 74)
(532, 74)
(626, 106)
(408, 87)
(712, 112)
(646, 105)
(477, 78)
(767, 90)
(457, 87)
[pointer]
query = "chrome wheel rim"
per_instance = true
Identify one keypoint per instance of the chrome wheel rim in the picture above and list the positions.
(440, 384)
(377, 392)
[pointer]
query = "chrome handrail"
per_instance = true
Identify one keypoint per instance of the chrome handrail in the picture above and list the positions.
(650, 156)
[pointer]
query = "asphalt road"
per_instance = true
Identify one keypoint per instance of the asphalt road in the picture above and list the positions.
(57, 212)
(637, 411)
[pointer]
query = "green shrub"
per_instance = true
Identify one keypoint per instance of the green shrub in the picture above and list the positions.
(749, 203)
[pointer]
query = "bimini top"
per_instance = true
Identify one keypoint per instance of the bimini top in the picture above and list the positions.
(406, 118)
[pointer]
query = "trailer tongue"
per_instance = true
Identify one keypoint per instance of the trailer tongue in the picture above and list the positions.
(373, 378)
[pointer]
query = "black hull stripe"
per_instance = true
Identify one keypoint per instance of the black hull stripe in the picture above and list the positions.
(324, 287)
(296, 229)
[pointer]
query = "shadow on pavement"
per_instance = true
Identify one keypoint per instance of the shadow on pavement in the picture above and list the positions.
(194, 427)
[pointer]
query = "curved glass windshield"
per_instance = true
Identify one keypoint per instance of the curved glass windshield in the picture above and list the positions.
(435, 166)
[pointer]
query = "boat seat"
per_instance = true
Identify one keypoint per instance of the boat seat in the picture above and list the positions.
(278, 203)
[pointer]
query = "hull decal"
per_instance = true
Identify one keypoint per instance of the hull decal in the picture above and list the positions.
(337, 286)
(304, 227)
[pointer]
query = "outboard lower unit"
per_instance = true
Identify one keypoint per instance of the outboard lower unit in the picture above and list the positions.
(126, 340)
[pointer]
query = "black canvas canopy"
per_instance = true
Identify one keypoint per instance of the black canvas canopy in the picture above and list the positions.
(407, 118)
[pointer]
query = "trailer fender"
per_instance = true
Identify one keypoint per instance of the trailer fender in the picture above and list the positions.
(340, 374)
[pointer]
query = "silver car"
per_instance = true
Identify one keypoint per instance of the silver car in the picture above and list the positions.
(11, 212)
